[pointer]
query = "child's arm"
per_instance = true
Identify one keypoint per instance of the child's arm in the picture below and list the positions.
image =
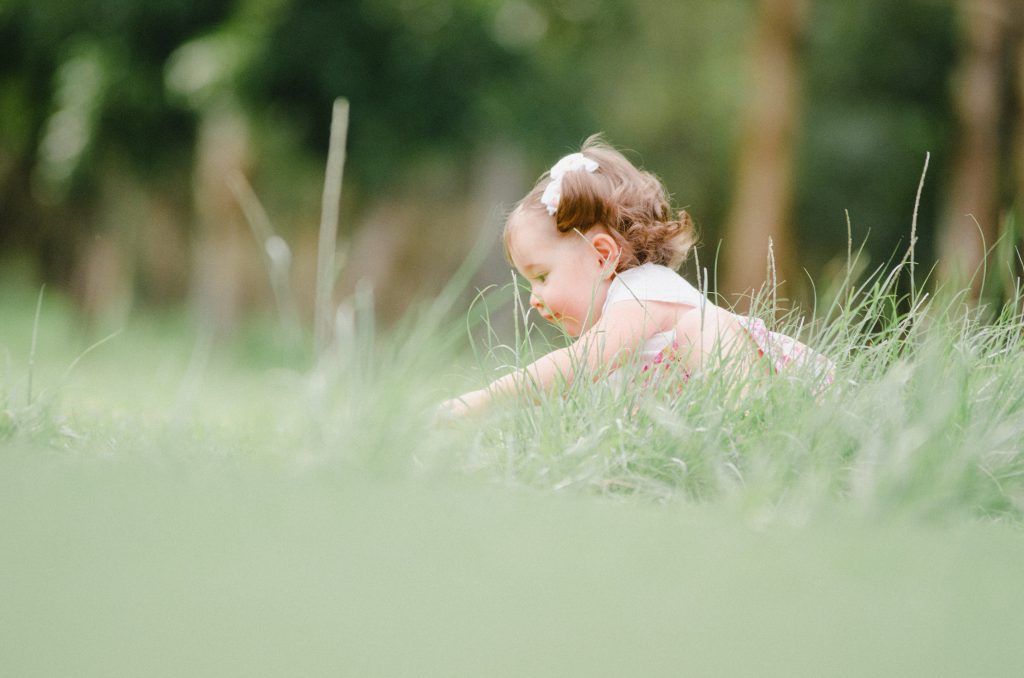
(622, 329)
(710, 338)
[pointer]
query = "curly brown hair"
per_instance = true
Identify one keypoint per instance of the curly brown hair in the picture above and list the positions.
(631, 203)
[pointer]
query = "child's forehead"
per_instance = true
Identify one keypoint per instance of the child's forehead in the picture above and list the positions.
(528, 229)
(529, 240)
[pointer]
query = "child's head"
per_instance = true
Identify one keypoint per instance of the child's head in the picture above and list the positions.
(630, 203)
(592, 215)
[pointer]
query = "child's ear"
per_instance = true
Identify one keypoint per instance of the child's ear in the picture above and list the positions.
(607, 251)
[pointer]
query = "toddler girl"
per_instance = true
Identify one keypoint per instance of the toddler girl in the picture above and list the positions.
(599, 244)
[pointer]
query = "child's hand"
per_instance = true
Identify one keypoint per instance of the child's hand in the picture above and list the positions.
(464, 405)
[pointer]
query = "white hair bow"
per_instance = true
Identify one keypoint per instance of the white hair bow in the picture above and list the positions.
(570, 163)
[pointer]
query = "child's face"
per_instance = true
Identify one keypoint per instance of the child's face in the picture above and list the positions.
(568, 280)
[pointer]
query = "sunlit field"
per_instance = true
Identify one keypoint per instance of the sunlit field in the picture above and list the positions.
(176, 505)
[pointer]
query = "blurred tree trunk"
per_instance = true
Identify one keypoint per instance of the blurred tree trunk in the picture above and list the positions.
(102, 280)
(221, 275)
(969, 225)
(104, 268)
(1014, 249)
(413, 240)
(763, 194)
(1018, 198)
(162, 249)
(133, 249)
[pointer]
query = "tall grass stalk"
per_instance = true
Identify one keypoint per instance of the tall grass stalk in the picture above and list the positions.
(276, 254)
(326, 270)
(32, 350)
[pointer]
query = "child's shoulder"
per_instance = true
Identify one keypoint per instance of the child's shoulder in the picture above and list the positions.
(652, 282)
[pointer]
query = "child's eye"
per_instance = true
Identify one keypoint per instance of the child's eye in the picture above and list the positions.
(541, 277)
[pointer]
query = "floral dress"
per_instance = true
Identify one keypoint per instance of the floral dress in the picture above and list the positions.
(651, 282)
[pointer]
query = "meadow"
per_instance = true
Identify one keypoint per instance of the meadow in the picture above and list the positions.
(178, 505)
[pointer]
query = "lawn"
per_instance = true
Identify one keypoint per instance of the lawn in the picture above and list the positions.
(176, 506)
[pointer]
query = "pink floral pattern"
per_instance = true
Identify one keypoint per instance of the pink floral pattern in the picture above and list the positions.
(781, 350)
(666, 360)
(784, 351)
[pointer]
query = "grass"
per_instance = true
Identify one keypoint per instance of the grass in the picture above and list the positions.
(176, 506)
(926, 418)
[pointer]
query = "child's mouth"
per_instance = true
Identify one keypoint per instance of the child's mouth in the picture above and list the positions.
(550, 317)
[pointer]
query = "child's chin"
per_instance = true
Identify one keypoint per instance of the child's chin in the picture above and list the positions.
(570, 327)
(566, 328)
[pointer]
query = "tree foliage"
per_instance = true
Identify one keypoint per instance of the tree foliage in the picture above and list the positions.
(88, 85)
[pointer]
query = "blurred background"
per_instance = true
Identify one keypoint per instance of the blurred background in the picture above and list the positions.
(127, 127)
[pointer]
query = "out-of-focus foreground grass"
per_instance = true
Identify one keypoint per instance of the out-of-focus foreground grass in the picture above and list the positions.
(179, 507)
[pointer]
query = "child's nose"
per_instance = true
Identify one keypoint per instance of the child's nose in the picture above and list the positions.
(535, 302)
